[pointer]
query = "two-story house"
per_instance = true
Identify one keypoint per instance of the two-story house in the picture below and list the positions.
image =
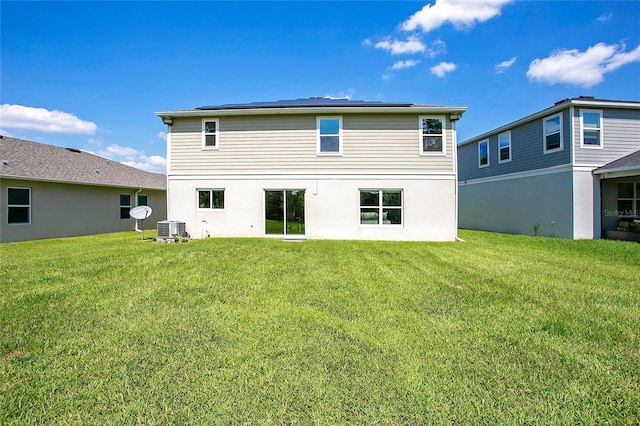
(314, 168)
(537, 175)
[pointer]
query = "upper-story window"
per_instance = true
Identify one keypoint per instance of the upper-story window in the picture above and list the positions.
(591, 126)
(553, 133)
(210, 133)
(483, 153)
(504, 147)
(329, 135)
(19, 206)
(432, 135)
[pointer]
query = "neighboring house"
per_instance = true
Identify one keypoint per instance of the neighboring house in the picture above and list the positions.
(539, 175)
(49, 192)
(314, 168)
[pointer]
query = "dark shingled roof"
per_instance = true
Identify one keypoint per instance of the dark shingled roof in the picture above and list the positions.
(631, 161)
(35, 161)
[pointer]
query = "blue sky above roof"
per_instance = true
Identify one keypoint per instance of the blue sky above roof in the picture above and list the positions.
(93, 76)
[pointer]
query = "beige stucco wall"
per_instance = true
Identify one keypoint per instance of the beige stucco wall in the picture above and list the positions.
(64, 210)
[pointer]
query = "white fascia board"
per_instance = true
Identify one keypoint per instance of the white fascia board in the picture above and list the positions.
(423, 109)
(618, 172)
(605, 104)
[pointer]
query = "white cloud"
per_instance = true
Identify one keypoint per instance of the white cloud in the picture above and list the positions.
(405, 64)
(437, 47)
(443, 68)
(604, 18)
(413, 45)
(154, 163)
(43, 120)
(460, 13)
(348, 94)
(135, 158)
(505, 65)
(585, 69)
(162, 135)
(115, 150)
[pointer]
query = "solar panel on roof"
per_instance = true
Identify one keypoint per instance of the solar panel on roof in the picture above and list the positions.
(304, 102)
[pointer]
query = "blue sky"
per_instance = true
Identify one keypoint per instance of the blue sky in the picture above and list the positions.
(90, 75)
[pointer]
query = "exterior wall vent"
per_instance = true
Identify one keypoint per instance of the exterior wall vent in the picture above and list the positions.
(169, 228)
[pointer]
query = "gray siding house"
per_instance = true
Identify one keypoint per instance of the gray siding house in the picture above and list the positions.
(546, 174)
(49, 192)
(314, 168)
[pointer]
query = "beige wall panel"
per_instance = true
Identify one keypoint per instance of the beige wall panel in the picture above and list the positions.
(275, 144)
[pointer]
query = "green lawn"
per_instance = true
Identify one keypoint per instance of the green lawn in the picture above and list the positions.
(499, 329)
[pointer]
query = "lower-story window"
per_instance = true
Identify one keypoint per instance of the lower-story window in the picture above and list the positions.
(18, 205)
(381, 206)
(211, 198)
(125, 206)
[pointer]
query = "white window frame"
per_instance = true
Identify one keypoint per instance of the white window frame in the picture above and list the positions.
(210, 190)
(125, 205)
(443, 135)
(28, 222)
(381, 207)
(545, 134)
(216, 134)
(500, 160)
(600, 128)
(318, 136)
(480, 165)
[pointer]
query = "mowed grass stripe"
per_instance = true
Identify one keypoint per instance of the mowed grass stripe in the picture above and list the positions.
(498, 329)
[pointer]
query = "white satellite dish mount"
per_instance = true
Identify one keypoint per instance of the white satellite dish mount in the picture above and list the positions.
(141, 213)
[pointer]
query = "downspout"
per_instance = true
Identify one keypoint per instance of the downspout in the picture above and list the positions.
(454, 119)
(136, 204)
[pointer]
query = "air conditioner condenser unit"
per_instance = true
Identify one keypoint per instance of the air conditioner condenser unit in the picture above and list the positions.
(170, 228)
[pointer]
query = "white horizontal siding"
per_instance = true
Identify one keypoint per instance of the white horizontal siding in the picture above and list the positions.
(264, 144)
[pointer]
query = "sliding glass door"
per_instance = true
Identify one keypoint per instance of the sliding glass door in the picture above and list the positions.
(284, 212)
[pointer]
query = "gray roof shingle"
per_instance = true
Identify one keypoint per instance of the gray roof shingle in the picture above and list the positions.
(631, 161)
(32, 160)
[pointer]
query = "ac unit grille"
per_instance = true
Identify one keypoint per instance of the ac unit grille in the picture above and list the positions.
(169, 228)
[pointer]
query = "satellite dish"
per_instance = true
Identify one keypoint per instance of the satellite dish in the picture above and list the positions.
(140, 212)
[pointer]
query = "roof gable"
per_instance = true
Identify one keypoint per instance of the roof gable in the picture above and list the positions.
(22, 159)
